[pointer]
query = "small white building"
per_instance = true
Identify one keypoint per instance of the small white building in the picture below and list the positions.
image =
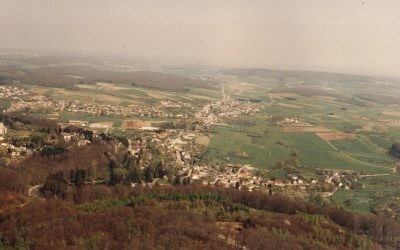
(66, 136)
(3, 129)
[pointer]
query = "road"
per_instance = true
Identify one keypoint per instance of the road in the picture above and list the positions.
(34, 191)
(354, 159)
(372, 175)
(225, 97)
(223, 92)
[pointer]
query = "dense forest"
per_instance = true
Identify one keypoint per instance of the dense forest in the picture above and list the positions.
(119, 217)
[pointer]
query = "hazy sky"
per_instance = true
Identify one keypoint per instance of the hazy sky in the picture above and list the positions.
(334, 35)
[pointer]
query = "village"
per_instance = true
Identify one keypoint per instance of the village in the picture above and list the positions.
(25, 100)
(178, 146)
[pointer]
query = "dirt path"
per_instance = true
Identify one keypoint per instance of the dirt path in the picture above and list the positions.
(372, 175)
(34, 191)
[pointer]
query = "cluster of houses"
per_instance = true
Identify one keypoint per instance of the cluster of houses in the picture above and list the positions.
(22, 150)
(15, 152)
(12, 151)
(181, 108)
(108, 109)
(345, 179)
(22, 99)
(230, 176)
(293, 120)
(212, 114)
(230, 108)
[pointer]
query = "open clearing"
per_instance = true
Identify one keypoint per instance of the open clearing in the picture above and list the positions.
(158, 95)
(101, 125)
(241, 88)
(391, 113)
(306, 129)
(109, 86)
(287, 105)
(203, 140)
(326, 98)
(107, 126)
(134, 124)
(275, 96)
(85, 86)
(367, 128)
(337, 136)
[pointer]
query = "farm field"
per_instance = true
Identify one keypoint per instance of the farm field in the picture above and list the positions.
(345, 133)
(312, 151)
(377, 192)
(121, 93)
(342, 134)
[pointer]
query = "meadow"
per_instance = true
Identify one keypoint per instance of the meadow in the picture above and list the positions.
(265, 150)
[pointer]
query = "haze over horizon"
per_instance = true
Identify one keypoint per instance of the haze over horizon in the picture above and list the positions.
(359, 37)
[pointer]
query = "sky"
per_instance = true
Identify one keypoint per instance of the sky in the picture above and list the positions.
(338, 36)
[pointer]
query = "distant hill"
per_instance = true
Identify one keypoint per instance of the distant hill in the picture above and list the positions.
(67, 76)
(305, 75)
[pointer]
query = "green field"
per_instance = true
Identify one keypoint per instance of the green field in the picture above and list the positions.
(122, 93)
(367, 153)
(264, 151)
(359, 201)
(5, 104)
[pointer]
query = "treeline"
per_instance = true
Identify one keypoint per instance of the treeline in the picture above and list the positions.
(250, 100)
(17, 119)
(381, 230)
(311, 92)
(395, 150)
(191, 217)
(13, 181)
(379, 98)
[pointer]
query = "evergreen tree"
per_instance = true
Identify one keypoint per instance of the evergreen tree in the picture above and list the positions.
(148, 175)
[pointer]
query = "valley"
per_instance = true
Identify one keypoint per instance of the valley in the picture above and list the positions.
(306, 135)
